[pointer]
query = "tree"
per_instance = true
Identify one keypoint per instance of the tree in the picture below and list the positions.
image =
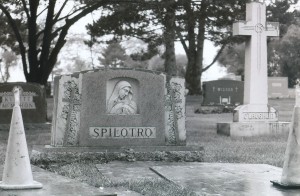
(77, 65)
(47, 25)
(200, 21)
(114, 55)
(289, 54)
(126, 20)
(157, 22)
(233, 56)
(8, 60)
(157, 63)
(169, 36)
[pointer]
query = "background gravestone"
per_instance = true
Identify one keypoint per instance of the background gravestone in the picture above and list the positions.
(90, 109)
(255, 107)
(255, 116)
(33, 102)
(278, 87)
(223, 92)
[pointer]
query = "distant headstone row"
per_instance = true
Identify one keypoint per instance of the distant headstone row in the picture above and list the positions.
(119, 107)
(231, 92)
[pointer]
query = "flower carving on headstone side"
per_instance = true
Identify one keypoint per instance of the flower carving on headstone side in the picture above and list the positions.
(178, 110)
(174, 109)
(71, 111)
(65, 112)
(177, 97)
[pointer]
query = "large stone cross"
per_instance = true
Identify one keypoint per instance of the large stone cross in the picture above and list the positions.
(256, 78)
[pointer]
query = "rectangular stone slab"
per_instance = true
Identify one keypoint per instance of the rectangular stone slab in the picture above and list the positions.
(224, 178)
(247, 129)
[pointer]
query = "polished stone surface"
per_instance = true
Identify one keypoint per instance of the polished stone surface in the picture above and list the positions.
(208, 179)
(202, 178)
(120, 170)
(56, 185)
(226, 179)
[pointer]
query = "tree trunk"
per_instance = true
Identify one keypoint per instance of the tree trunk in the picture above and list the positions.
(195, 50)
(200, 47)
(35, 77)
(191, 70)
(169, 36)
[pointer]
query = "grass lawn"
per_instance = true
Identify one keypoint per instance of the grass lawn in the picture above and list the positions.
(201, 130)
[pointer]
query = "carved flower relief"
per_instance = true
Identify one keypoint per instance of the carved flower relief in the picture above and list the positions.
(65, 111)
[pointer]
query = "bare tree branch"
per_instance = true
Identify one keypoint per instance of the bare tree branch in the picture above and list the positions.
(215, 59)
(25, 8)
(42, 11)
(69, 22)
(60, 10)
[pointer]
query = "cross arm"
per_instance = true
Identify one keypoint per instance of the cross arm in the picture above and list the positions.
(243, 28)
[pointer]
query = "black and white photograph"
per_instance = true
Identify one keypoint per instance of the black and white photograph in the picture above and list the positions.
(149, 97)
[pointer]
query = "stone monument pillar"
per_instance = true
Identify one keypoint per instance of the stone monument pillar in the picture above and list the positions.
(255, 117)
(255, 106)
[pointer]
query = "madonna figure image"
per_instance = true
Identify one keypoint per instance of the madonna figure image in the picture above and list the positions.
(120, 101)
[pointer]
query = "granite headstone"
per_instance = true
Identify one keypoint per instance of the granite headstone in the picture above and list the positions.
(223, 92)
(278, 87)
(118, 107)
(33, 102)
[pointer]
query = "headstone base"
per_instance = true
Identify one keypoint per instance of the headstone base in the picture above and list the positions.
(129, 153)
(247, 129)
(255, 113)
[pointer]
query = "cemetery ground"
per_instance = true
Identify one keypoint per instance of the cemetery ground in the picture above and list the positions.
(201, 131)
